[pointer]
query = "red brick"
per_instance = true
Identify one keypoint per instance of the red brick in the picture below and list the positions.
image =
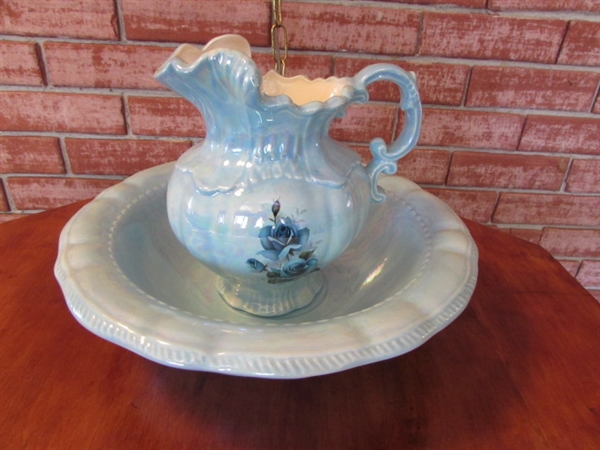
(473, 205)
(550, 209)
(25, 154)
(121, 157)
(46, 193)
(94, 19)
(104, 66)
(463, 3)
(197, 20)
(362, 123)
(50, 111)
(19, 64)
(581, 45)
(589, 273)
(584, 176)
(160, 116)
(506, 171)
(477, 129)
(442, 84)
(519, 87)
(355, 28)
(545, 5)
(483, 36)
(595, 293)
(570, 265)
(425, 166)
(3, 200)
(561, 134)
(596, 109)
(528, 234)
(310, 65)
(571, 242)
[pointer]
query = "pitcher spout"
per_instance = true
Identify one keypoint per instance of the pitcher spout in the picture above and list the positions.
(189, 54)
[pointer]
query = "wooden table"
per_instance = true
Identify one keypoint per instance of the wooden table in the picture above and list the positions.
(519, 369)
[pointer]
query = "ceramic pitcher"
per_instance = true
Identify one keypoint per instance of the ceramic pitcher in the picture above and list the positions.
(268, 199)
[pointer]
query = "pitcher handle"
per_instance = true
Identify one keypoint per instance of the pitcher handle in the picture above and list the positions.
(384, 156)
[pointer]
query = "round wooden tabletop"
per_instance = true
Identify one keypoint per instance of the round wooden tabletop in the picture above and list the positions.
(518, 369)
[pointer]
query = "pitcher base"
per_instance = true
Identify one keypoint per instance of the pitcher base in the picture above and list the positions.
(271, 300)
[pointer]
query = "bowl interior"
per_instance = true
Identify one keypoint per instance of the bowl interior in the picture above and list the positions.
(388, 256)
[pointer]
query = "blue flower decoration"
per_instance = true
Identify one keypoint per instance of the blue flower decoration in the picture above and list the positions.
(282, 239)
(295, 268)
(281, 242)
(255, 264)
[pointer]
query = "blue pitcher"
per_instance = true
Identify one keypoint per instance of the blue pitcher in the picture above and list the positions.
(268, 199)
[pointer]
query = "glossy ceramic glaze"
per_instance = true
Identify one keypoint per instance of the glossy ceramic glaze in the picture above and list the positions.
(268, 200)
(126, 277)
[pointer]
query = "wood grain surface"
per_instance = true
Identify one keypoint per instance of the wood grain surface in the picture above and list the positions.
(519, 369)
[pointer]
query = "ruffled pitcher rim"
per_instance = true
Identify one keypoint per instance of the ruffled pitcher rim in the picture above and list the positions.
(275, 90)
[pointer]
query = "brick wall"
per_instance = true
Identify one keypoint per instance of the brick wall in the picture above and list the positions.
(511, 132)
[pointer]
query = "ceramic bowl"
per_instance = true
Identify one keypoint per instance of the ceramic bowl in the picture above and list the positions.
(127, 279)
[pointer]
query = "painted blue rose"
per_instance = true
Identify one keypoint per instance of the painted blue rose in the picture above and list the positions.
(255, 264)
(287, 248)
(283, 239)
(292, 269)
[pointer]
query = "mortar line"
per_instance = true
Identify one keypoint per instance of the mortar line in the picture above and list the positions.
(522, 132)
(463, 100)
(595, 98)
(41, 57)
(508, 190)
(120, 21)
(65, 155)
(562, 41)
(7, 193)
(563, 185)
(495, 207)
(91, 176)
(448, 170)
(105, 137)
(580, 258)
(126, 114)
(526, 14)
(521, 226)
(395, 124)
(578, 269)
(419, 34)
